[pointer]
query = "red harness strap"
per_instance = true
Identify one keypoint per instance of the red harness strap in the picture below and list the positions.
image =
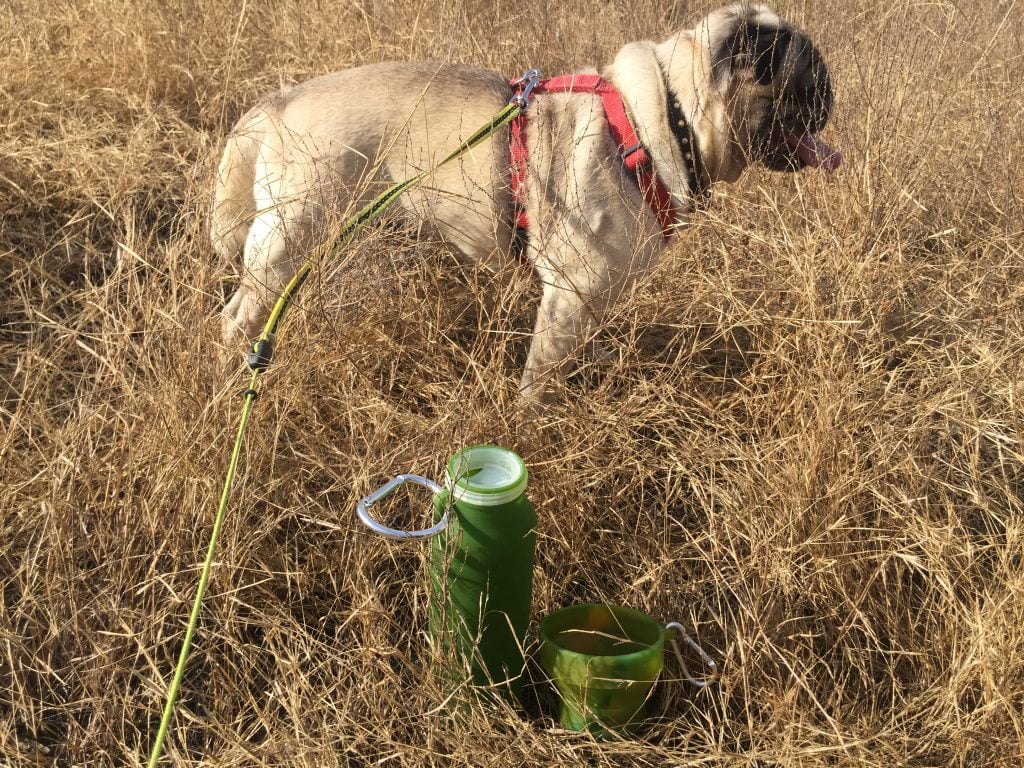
(632, 151)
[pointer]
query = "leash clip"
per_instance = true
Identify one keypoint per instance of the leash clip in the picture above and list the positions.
(524, 85)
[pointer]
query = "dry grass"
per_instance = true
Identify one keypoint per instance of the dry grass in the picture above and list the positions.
(806, 444)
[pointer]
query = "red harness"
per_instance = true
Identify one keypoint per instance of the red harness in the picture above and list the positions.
(633, 153)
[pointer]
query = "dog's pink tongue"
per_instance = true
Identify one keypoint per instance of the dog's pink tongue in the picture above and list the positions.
(816, 153)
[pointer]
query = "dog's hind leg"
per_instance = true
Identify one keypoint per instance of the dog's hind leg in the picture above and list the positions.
(234, 205)
(277, 241)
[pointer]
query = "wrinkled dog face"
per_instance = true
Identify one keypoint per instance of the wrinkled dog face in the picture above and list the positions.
(778, 85)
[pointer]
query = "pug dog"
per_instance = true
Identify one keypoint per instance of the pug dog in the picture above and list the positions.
(742, 87)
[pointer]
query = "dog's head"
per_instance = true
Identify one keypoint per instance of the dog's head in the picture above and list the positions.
(774, 85)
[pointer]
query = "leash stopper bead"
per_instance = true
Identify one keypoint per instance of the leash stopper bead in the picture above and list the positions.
(261, 353)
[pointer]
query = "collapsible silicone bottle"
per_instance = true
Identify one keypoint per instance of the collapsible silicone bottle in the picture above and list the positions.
(481, 566)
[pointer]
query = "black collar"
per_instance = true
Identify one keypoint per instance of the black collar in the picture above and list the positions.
(697, 176)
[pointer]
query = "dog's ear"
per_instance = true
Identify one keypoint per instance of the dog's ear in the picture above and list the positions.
(762, 48)
(757, 47)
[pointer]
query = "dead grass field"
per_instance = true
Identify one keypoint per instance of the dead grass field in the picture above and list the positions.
(806, 443)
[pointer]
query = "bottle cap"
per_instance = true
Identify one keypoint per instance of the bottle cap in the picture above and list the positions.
(486, 476)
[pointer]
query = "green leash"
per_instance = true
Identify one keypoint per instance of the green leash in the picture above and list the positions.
(261, 353)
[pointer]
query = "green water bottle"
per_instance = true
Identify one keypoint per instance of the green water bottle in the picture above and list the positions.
(481, 566)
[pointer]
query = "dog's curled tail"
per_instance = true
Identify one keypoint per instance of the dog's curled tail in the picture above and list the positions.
(234, 205)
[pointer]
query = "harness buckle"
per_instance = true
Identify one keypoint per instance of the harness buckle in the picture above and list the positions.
(635, 157)
(628, 151)
(524, 85)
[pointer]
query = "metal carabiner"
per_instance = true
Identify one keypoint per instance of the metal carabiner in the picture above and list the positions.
(525, 83)
(363, 509)
(708, 661)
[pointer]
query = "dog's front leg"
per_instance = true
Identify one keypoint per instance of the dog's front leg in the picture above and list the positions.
(569, 314)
